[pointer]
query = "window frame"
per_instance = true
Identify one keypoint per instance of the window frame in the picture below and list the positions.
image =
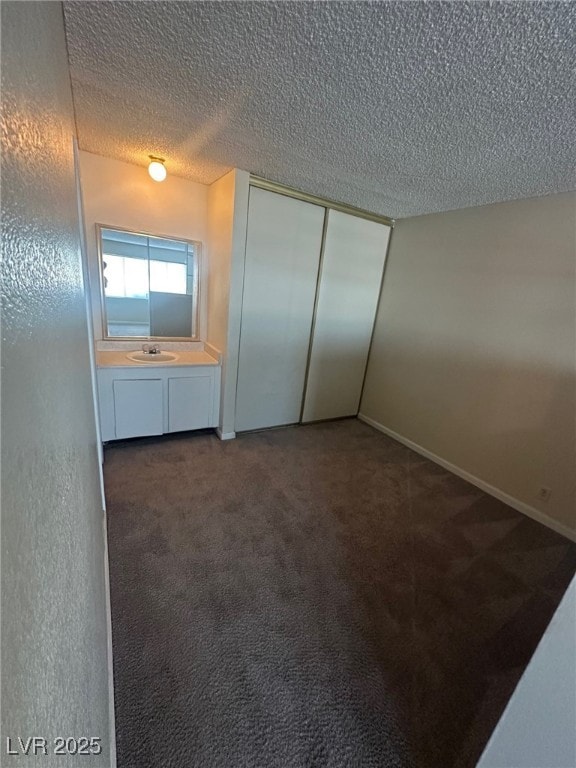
(195, 296)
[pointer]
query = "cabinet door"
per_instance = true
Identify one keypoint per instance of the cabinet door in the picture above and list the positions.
(282, 255)
(190, 402)
(138, 407)
(352, 266)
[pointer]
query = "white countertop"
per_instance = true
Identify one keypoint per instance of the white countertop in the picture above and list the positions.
(119, 359)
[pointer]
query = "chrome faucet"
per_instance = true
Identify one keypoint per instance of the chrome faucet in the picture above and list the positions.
(148, 350)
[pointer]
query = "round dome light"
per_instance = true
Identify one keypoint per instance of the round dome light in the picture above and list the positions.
(156, 169)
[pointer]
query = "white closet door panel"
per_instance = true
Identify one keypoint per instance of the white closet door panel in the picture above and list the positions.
(354, 255)
(282, 254)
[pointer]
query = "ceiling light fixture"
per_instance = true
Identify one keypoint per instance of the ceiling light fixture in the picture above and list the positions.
(156, 169)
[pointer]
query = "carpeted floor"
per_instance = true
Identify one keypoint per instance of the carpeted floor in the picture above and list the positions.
(315, 597)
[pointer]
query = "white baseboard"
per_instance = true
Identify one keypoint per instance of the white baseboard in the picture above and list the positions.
(225, 435)
(520, 506)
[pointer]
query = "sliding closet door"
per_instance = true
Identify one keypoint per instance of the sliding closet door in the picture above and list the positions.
(282, 255)
(352, 266)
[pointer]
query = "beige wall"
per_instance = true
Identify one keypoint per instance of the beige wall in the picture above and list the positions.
(54, 610)
(123, 195)
(220, 232)
(473, 357)
(227, 221)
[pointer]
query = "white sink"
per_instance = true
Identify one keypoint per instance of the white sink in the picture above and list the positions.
(147, 357)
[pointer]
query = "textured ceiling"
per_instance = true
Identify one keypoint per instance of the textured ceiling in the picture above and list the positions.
(401, 108)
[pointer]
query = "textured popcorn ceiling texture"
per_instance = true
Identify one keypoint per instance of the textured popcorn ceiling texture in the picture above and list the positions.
(401, 108)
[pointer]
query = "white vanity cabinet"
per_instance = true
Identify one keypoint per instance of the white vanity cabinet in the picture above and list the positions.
(137, 407)
(152, 399)
(190, 400)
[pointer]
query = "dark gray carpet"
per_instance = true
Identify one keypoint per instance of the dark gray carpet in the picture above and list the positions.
(315, 596)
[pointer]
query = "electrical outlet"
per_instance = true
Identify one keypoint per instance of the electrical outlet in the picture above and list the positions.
(544, 493)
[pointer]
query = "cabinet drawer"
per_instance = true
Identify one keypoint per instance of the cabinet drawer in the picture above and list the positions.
(190, 402)
(138, 407)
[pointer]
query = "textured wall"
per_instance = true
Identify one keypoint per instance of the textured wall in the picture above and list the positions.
(123, 195)
(227, 221)
(474, 351)
(220, 228)
(54, 655)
